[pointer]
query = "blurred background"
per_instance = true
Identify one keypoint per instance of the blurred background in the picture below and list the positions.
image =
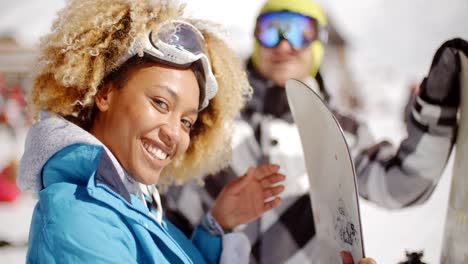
(378, 50)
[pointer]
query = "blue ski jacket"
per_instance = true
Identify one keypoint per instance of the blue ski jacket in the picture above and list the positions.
(85, 214)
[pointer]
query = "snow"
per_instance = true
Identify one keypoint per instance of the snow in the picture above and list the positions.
(15, 219)
(391, 44)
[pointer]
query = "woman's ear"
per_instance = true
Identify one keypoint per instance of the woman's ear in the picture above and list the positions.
(104, 96)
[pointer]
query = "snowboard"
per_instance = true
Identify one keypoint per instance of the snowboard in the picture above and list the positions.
(455, 243)
(332, 177)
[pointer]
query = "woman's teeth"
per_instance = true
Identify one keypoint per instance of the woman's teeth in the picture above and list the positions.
(155, 152)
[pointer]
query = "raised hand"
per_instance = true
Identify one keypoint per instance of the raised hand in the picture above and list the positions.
(442, 83)
(248, 197)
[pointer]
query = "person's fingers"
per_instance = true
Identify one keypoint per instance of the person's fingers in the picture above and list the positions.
(259, 173)
(271, 204)
(367, 261)
(272, 179)
(273, 191)
(265, 170)
(238, 184)
(346, 257)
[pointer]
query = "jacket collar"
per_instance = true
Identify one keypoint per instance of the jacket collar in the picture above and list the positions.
(267, 98)
(107, 173)
(271, 99)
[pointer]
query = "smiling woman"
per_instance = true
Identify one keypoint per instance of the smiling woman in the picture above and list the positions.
(128, 95)
(152, 116)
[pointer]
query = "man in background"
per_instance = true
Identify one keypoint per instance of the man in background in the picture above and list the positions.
(289, 43)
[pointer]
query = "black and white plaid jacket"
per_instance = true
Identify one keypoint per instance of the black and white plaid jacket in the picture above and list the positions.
(266, 132)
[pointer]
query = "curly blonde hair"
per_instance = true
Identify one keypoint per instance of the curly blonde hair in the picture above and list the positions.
(87, 42)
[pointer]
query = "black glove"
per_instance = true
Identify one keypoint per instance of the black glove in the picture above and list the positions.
(442, 85)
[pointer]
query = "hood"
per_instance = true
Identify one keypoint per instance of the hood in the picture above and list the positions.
(44, 139)
(270, 99)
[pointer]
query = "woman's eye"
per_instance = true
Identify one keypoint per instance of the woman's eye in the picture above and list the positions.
(187, 124)
(162, 104)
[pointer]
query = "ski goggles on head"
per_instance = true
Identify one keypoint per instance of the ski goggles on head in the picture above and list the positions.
(299, 30)
(179, 44)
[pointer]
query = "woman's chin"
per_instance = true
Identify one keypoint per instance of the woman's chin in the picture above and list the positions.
(147, 177)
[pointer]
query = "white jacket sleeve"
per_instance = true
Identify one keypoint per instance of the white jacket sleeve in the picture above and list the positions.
(407, 176)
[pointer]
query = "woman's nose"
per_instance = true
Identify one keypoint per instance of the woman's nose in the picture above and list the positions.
(169, 134)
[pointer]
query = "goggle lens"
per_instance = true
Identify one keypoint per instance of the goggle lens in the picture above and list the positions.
(180, 44)
(297, 29)
(181, 36)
